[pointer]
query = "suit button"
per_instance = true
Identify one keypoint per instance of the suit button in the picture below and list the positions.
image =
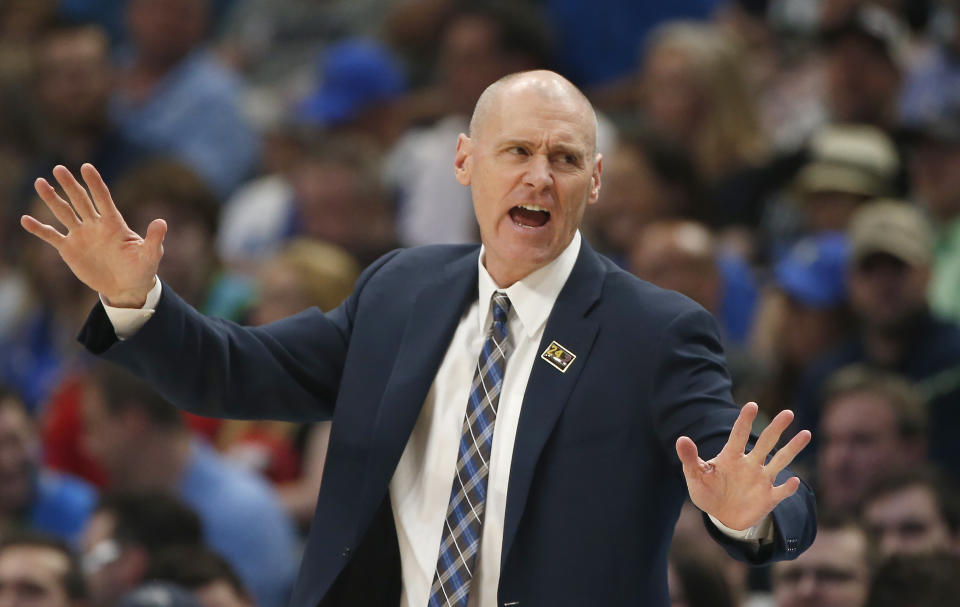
(346, 552)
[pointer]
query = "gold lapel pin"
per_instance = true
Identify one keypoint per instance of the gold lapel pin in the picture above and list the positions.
(558, 356)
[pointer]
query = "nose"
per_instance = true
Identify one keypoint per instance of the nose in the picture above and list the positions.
(538, 175)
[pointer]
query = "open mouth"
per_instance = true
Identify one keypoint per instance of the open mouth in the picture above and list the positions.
(529, 215)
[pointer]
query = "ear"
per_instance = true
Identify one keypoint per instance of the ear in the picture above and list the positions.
(595, 180)
(463, 160)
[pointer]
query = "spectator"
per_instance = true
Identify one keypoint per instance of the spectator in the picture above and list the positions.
(935, 169)
(647, 178)
(916, 580)
(849, 165)
(204, 573)
(359, 85)
(803, 316)
(493, 39)
(37, 571)
(888, 277)
(683, 256)
(872, 423)
(834, 572)
(174, 98)
(864, 62)
(31, 496)
(696, 92)
(73, 84)
(141, 442)
(124, 536)
(914, 511)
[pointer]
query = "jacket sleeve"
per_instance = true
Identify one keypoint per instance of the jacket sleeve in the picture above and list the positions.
(691, 396)
(288, 370)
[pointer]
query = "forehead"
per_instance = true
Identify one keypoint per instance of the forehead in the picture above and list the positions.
(538, 114)
(32, 562)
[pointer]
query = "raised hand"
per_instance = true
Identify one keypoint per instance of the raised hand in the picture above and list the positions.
(738, 488)
(99, 247)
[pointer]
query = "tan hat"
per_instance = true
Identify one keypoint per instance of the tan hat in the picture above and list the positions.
(850, 158)
(893, 227)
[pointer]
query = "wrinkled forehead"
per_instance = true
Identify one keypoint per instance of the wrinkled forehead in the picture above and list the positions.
(531, 104)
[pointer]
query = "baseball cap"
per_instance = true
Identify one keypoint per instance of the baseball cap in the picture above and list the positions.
(893, 227)
(353, 75)
(850, 158)
(814, 272)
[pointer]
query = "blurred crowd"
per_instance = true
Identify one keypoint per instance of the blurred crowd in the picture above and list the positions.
(791, 165)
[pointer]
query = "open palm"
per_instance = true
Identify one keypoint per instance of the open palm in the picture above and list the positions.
(735, 487)
(98, 246)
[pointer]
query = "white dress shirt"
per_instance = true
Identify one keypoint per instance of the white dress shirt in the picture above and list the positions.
(421, 484)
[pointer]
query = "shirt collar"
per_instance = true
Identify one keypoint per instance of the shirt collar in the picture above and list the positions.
(531, 297)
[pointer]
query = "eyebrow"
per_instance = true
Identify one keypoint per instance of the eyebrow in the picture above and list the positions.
(563, 148)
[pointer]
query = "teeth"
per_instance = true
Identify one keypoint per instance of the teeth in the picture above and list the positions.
(533, 207)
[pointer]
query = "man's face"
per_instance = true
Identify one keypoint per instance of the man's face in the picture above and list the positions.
(907, 521)
(108, 438)
(533, 169)
(166, 30)
(885, 291)
(17, 440)
(833, 572)
(33, 576)
(935, 168)
(75, 78)
(862, 81)
(860, 442)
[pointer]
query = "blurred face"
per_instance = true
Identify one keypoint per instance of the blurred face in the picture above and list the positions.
(633, 197)
(33, 576)
(804, 333)
(470, 41)
(74, 79)
(109, 439)
(862, 82)
(672, 98)
(935, 168)
(164, 31)
(830, 211)
(679, 260)
(860, 443)
(17, 442)
(280, 294)
(908, 521)
(885, 291)
(833, 572)
(533, 169)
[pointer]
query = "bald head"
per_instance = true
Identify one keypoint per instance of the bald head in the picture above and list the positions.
(552, 87)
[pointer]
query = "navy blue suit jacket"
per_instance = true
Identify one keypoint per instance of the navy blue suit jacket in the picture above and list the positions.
(595, 485)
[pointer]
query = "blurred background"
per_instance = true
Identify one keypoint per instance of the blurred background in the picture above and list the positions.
(791, 165)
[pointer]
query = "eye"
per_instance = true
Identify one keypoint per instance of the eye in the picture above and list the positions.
(518, 150)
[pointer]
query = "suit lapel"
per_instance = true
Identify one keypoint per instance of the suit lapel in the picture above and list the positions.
(436, 312)
(548, 388)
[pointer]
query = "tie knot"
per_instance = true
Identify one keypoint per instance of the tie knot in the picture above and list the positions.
(501, 307)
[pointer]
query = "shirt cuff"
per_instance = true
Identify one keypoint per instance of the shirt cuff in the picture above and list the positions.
(127, 321)
(761, 532)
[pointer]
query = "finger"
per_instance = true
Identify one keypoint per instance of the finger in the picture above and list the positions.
(78, 196)
(784, 456)
(785, 490)
(98, 189)
(42, 231)
(740, 433)
(689, 458)
(60, 208)
(154, 239)
(771, 435)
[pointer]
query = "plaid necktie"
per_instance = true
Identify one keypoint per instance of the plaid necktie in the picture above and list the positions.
(464, 522)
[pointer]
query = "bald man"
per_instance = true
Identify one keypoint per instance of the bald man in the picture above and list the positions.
(513, 424)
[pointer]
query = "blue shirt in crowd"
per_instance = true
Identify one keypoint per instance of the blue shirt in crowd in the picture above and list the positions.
(61, 505)
(244, 522)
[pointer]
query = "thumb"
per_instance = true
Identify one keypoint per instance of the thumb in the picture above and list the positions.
(687, 452)
(155, 233)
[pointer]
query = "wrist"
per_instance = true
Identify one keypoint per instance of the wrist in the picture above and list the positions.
(134, 299)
